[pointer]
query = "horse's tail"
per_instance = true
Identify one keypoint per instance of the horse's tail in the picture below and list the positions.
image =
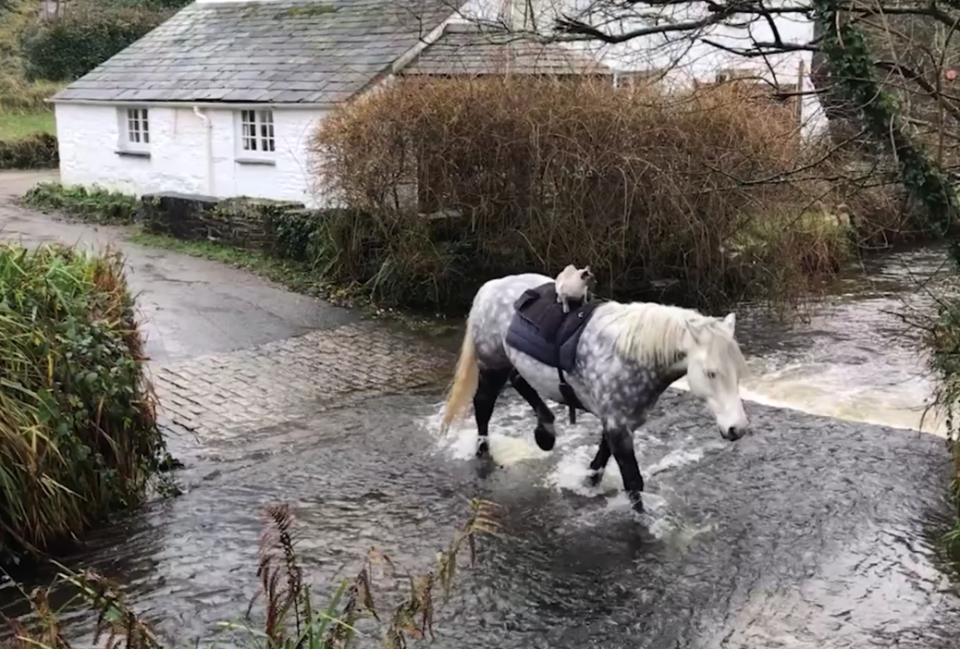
(465, 380)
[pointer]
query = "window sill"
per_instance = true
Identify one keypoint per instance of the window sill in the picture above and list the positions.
(125, 153)
(263, 162)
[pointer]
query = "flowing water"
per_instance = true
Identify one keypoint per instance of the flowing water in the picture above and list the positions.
(813, 532)
(855, 359)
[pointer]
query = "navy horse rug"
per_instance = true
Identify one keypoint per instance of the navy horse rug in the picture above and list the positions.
(543, 331)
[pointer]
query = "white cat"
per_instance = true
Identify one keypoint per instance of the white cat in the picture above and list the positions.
(573, 284)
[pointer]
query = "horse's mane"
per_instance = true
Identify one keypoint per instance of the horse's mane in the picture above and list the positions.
(653, 334)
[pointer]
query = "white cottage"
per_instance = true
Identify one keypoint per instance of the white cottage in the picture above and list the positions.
(221, 100)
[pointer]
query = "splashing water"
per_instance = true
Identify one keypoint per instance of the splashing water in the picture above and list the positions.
(566, 467)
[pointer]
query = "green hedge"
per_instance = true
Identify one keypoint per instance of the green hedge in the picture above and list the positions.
(78, 436)
(38, 151)
(96, 204)
(87, 36)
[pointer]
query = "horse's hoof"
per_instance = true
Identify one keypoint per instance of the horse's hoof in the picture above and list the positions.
(483, 449)
(545, 439)
(594, 478)
(636, 502)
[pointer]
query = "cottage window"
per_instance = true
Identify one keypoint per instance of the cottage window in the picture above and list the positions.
(134, 126)
(735, 74)
(256, 127)
(636, 78)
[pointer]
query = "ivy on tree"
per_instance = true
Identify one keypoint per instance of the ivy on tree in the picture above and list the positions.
(854, 80)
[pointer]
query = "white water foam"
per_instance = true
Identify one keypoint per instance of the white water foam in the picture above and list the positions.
(511, 442)
(832, 392)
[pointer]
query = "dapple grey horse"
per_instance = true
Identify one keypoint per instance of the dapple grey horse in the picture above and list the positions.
(626, 356)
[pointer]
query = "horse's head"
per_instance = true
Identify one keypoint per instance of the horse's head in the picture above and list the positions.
(714, 366)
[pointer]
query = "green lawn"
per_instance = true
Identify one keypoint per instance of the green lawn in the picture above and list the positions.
(18, 125)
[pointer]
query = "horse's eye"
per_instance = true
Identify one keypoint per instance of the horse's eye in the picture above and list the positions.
(711, 375)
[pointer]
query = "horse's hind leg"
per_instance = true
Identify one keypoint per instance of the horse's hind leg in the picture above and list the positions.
(600, 461)
(488, 389)
(620, 442)
(545, 433)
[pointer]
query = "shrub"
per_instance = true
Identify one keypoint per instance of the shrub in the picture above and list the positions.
(78, 437)
(37, 151)
(649, 188)
(97, 205)
(89, 34)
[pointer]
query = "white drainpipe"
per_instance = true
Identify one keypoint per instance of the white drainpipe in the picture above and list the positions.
(209, 147)
(507, 9)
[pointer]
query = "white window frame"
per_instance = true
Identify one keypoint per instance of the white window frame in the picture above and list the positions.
(256, 135)
(134, 123)
(636, 78)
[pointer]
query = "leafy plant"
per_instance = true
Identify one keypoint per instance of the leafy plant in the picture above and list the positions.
(78, 435)
(853, 72)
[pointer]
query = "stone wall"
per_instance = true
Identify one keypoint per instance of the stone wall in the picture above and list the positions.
(252, 224)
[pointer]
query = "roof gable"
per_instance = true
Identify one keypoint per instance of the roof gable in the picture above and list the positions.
(286, 51)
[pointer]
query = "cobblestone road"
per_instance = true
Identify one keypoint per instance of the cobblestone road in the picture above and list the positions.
(232, 353)
(224, 395)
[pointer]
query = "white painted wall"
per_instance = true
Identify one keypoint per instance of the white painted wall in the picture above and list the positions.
(686, 60)
(89, 138)
(683, 58)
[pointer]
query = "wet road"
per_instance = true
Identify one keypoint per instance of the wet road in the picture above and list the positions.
(809, 533)
(188, 306)
(813, 532)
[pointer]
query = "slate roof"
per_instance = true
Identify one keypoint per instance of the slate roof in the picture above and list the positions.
(286, 51)
(464, 49)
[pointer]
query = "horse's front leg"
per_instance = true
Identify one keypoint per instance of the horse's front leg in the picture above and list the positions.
(488, 389)
(620, 442)
(600, 461)
(545, 432)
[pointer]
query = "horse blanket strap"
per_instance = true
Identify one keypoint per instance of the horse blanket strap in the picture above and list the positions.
(543, 331)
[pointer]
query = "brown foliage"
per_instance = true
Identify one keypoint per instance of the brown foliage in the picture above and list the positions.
(648, 188)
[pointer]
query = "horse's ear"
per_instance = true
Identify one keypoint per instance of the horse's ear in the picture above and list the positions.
(695, 330)
(730, 321)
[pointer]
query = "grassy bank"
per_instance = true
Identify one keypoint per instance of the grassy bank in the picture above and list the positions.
(78, 436)
(292, 616)
(17, 125)
(28, 139)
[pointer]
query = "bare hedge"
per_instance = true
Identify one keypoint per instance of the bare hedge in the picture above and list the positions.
(452, 182)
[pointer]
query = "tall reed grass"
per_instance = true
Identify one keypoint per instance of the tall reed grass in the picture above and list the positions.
(292, 618)
(78, 435)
